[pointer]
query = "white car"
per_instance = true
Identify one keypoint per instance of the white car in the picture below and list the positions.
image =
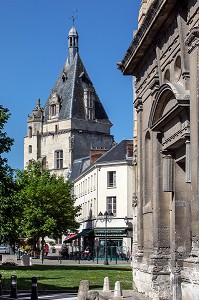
(4, 249)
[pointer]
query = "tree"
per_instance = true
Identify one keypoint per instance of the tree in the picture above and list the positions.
(9, 208)
(5, 147)
(48, 203)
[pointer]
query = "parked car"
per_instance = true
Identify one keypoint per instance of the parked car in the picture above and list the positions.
(4, 249)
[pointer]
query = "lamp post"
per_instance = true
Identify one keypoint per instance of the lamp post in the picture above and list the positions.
(106, 217)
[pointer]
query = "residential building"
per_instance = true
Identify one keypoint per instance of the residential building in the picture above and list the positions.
(163, 57)
(103, 182)
(72, 121)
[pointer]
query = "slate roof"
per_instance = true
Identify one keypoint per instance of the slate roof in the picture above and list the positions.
(69, 87)
(118, 153)
(79, 166)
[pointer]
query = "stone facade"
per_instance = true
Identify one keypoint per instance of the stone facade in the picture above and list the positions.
(73, 120)
(164, 60)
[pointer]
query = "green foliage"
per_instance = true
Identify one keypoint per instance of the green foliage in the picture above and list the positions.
(9, 208)
(48, 204)
(5, 146)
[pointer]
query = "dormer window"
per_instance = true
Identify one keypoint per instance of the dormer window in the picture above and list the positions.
(54, 106)
(53, 110)
(89, 104)
(64, 76)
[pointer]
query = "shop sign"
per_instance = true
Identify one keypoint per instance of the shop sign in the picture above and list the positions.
(110, 232)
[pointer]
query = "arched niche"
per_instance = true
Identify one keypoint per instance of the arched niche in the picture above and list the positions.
(170, 101)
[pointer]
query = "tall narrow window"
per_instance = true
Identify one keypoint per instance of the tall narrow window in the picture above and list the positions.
(30, 148)
(111, 179)
(53, 110)
(111, 204)
(59, 159)
(30, 131)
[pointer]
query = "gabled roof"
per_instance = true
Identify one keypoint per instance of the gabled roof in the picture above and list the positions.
(119, 153)
(69, 87)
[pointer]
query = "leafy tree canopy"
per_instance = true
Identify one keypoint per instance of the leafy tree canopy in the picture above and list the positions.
(48, 204)
(9, 209)
(5, 146)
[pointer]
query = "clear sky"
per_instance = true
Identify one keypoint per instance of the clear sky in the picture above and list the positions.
(34, 48)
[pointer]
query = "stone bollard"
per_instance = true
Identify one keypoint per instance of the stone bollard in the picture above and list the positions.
(34, 293)
(92, 295)
(106, 286)
(13, 290)
(1, 293)
(83, 290)
(117, 290)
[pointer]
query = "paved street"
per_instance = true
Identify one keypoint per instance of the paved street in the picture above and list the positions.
(54, 260)
(53, 296)
(128, 295)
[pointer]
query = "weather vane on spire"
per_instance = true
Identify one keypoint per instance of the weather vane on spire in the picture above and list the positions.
(73, 16)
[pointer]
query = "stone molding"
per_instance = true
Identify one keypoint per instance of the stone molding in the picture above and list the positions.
(134, 200)
(148, 22)
(192, 40)
(138, 104)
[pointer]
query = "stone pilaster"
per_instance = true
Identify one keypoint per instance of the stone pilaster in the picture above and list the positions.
(190, 271)
(192, 42)
(138, 107)
(167, 172)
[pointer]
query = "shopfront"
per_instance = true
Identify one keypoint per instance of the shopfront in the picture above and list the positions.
(116, 239)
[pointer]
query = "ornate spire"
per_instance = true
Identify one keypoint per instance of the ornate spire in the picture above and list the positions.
(72, 41)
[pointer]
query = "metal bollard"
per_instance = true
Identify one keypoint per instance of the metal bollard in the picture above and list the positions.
(1, 285)
(13, 291)
(34, 293)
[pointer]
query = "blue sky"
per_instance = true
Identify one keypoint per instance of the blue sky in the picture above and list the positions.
(34, 48)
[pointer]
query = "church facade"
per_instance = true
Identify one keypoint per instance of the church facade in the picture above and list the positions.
(73, 120)
(163, 58)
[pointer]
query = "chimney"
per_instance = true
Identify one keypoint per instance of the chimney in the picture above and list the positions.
(95, 154)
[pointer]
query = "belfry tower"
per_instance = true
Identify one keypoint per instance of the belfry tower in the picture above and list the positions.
(73, 120)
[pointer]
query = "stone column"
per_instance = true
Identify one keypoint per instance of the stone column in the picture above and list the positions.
(188, 160)
(138, 107)
(167, 172)
(192, 42)
(190, 271)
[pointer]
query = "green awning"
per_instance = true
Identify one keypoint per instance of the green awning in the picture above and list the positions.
(84, 232)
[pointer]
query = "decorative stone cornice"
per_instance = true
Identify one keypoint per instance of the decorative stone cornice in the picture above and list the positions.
(192, 40)
(134, 200)
(138, 104)
(150, 20)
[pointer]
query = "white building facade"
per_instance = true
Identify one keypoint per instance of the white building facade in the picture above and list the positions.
(106, 185)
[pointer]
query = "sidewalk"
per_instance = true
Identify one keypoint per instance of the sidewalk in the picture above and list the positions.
(53, 259)
(127, 295)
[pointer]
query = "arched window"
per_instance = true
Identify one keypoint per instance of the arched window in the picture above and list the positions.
(30, 148)
(30, 131)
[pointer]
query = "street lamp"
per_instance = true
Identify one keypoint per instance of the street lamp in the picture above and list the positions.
(106, 217)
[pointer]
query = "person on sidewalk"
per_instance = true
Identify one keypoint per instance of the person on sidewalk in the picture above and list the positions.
(46, 249)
